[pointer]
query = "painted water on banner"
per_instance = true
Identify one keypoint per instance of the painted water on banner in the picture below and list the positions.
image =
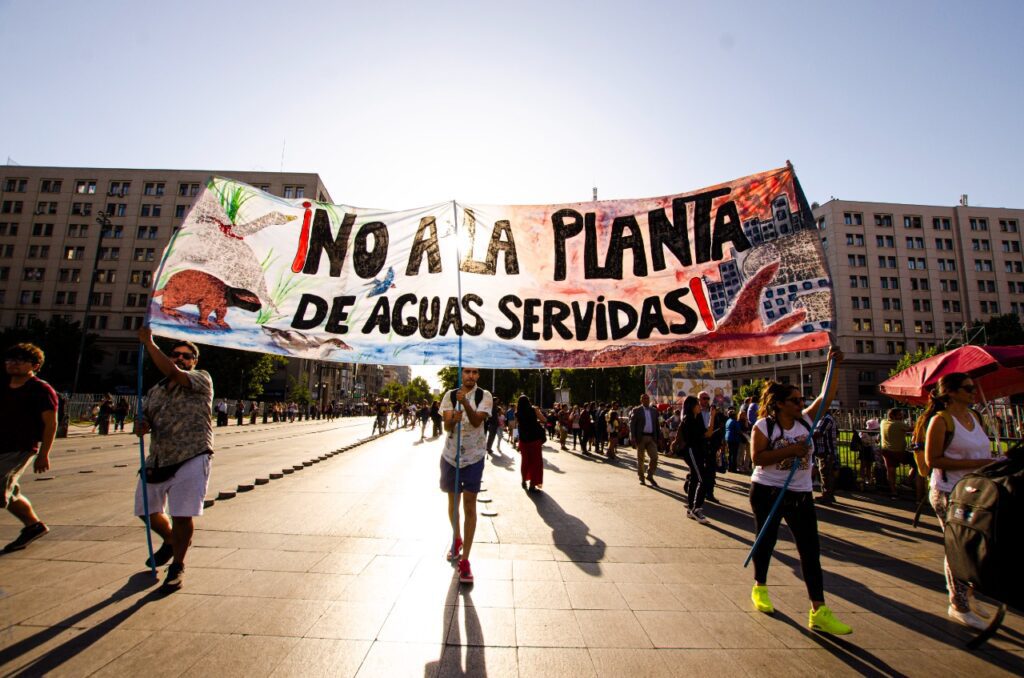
(727, 271)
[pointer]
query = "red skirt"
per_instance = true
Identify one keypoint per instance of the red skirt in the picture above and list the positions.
(532, 464)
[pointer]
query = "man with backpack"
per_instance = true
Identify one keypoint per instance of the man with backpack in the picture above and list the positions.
(826, 436)
(464, 411)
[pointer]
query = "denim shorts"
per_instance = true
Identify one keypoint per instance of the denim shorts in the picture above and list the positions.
(470, 477)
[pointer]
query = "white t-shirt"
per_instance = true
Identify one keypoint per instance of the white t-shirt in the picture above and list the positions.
(474, 438)
(964, 445)
(775, 475)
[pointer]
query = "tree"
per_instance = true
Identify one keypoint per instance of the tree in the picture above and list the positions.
(1002, 330)
(751, 390)
(298, 391)
(417, 390)
(908, 359)
(393, 391)
(59, 340)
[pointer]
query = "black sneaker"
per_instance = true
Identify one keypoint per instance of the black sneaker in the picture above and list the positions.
(162, 556)
(28, 535)
(175, 577)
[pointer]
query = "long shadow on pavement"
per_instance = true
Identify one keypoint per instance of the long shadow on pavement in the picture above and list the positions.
(570, 535)
(939, 628)
(57, 656)
(450, 661)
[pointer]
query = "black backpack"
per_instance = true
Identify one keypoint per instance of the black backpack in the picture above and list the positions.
(770, 426)
(477, 397)
(983, 522)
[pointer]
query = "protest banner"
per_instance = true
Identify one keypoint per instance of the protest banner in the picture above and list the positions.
(727, 271)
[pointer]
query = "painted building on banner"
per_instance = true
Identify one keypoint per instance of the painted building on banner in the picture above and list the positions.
(51, 235)
(905, 277)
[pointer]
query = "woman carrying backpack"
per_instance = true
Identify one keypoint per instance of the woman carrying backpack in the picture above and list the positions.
(781, 438)
(955, 443)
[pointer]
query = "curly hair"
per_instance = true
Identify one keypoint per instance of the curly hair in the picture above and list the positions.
(29, 352)
(938, 400)
(772, 396)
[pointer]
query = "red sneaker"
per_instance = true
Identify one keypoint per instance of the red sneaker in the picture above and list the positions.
(465, 574)
(453, 554)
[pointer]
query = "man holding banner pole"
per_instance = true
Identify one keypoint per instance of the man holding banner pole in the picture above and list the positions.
(177, 415)
(462, 461)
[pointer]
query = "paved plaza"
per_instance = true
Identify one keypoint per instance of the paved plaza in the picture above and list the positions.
(338, 569)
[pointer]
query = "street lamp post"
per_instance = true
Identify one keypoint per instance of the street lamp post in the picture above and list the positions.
(103, 219)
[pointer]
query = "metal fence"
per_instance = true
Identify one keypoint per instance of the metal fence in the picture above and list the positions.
(80, 406)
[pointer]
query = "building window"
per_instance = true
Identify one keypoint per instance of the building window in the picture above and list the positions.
(119, 188)
(50, 186)
(915, 243)
(38, 251)
(855, 239)
(30, 297)
(153, 188)
(63, 298)
(987, 286)
(861, 303)
(135, 299)
(886, 262)
(113, 232)
(892, 304)
(950, 306)
(179, 211)
(984, 265)
(856, 260)
(81, 209)
(1008, 225)
(911, 222)
(865, 346)
(892, 326)
(117, 209)
(142, 278)
(147, 233)
(978, 224)
(35, 274)
(150, 210)
(294, 191)
(70, 275)
(853, 218)
(42, 230)
(884, 241)
(188, 190)
(986, 307)
(12, 207)
(106, 275)
(922, 305)
(1011, 246)
(8, 228)
(944, 244)
(144, 254)
(979, 245)
(87, 187)
(96, 322)
(1014, 267)
(895, 348)
(6, 251)
(940, 224)
(110, 253)
(102, 298)
(883, 220)
(916, 263)
(15, 185)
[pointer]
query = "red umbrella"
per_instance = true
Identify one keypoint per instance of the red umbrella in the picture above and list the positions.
(998, 371)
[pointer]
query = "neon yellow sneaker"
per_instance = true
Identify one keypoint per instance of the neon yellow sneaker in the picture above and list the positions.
(823, 620)
(762, 603)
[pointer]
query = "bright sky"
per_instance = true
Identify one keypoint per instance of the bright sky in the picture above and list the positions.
(399, 104)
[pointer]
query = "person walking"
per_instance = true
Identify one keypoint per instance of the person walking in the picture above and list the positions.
(104, 415)
(120, 414)
(894, 446)
(531, 440)
(470, 405)
(424, 416)
(613, 425)
(696, 435)
(782, 438)
(826, 454)
(586, 428)
(646, 433)
(733, 439)
(494, 426)
(954, 444)
(574, 425)
(177, 417)
(28, 418)
(239, 412)
(714, 433)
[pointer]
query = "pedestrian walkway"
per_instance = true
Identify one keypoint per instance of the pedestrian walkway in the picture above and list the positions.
(339, 570)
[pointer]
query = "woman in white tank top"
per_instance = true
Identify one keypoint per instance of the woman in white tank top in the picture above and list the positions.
(968, 448)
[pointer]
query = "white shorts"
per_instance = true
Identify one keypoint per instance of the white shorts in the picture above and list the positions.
(183, 495)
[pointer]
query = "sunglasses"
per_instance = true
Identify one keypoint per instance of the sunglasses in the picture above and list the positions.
(967, 387)
(183, 354)
(796, 401)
